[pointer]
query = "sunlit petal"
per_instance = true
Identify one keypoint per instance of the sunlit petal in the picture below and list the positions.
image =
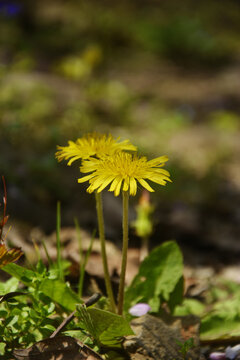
(145, 185)
(133, 186)
(85, 178)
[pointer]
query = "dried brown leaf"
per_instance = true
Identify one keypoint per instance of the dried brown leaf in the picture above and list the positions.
(57, 348)
(9, 256)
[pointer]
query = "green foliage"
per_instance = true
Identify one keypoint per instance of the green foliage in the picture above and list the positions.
(189, 306)
(105, 327)
(186, 346)
(221, 306)
(159, 275)
(60, 292)
(225, 309)
(24, 319)
(9, 286)
(58, 229)
(47, 282)
(33, 316)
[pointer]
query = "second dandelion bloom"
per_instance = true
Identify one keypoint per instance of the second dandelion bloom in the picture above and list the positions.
(93, 144)
(123, 171)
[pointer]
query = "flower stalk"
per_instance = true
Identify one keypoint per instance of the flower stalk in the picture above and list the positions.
(108, 162)
(125, 195)
(98, 197)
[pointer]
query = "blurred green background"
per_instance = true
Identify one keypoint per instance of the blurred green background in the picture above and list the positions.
(163, 74)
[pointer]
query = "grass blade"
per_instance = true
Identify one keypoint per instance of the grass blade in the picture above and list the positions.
(58, 228)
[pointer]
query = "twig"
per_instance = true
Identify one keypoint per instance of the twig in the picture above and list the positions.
(92, 300)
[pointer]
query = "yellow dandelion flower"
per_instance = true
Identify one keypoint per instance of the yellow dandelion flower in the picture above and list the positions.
(92, 144)
(123, 171)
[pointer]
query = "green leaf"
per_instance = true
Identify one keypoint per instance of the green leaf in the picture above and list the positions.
(158, 276)
(215, 326)
(225, 312)
(2, 348)
(55, 289)
(11, 320)
(10, 285)
(26, 276)
(77, 334)
(114, 355)
(176, 296)
(189, 306)
(60, 292)
(106, 327)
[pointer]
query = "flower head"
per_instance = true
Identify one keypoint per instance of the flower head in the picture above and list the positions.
(123, 171)
(92, 144)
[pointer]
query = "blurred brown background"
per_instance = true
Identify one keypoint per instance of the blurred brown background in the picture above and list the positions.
(162, 74)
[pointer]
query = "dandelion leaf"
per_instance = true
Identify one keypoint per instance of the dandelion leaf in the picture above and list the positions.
(159, 278)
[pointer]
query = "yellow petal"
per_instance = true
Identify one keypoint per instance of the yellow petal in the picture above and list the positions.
(73, 159)
(126, 184)
(159, 161)
(161, 179)
(90, 189)
(118, 188)
(85, 178)
(105, 183)
(115, 183)
(145, 185)
(161, 171)
(133, 186)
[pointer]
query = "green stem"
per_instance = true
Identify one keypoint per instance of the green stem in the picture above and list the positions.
(81, 271)
(84, 264)
(58, 229)
(124, 253)
(103, 251)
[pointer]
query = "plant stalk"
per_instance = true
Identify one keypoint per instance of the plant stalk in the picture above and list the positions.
(124, 252)
(58, 229)
(108, 285)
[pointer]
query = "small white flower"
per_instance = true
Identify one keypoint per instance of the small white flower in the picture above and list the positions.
(139, 309)
(217, 356)
(232, 352)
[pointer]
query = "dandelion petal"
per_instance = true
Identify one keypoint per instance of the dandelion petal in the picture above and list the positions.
(145, 185)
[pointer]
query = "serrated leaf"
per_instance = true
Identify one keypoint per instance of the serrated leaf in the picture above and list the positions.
(60, 292)
(24, 275)
(158, 276)
(109, 328)
(77, 334)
